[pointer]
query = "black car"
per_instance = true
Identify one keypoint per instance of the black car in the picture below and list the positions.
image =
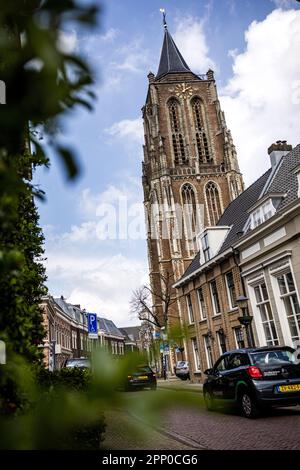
(253, 379)
(142, 377)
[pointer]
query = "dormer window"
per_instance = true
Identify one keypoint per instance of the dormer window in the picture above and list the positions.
(210, 241)
(263, 211)
(205, 247)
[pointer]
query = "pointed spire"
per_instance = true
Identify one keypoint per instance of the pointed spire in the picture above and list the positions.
(170, 59)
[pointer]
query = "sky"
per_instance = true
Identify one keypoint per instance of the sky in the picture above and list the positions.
(253, 47)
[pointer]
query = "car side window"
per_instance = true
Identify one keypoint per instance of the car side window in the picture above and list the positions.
(222, 364)
(238, 360)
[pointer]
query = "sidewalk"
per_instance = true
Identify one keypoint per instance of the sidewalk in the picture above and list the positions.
(173, 383)
(125, 432)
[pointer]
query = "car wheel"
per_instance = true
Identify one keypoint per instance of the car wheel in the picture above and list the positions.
(248, 405)
(209, 401)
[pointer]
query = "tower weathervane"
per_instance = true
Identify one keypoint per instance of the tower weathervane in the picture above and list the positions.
(163, 11)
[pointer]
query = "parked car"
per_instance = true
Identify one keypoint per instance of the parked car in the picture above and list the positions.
(142, 377)
(253, 379)
(182, 370)
(81, 363)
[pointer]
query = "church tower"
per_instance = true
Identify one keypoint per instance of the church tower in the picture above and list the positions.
(190, 163)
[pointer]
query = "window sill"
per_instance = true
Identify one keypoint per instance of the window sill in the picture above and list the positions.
(197, 372)
(191, 324)
(233, 310)
(203, 321)
(218, 315)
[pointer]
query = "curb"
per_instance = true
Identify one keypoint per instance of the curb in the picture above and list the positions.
(171, 435)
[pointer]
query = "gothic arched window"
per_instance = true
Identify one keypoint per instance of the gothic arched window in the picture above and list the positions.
(200, 134)
(189, 208)
(177, 132)
(213, 202)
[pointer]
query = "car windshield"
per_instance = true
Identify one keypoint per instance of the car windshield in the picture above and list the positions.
(144, 369)
(265, 358)
(78, 363)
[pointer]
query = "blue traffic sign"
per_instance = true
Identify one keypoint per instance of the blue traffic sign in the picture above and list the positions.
(92, 323)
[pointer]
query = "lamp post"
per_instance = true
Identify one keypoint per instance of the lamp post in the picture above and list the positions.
(245, 319)
(163, 355)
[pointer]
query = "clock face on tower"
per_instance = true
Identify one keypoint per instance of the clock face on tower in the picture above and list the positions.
(183, 91)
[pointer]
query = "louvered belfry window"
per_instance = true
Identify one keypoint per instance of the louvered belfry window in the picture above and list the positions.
(213, 202)
(177, 132)
(200, 134)
(189, 208)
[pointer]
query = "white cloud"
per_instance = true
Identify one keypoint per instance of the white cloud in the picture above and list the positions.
(79, 265)
(262, 99)
(81, 233)
(132, 57)
(99, 284)
(68, 41)
(284, 3)
(110, 35)
(131, 129)
(190, 39)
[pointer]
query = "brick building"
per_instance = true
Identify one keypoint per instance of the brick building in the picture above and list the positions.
(190, 168)
(252, 251)
(67, 333)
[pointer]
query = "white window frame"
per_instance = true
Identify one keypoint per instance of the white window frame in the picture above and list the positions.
(219, 342)
(279, 301)
(262, 213)
(203, 314)
(190, 309)
(205, 247)
(256, 307)
(213, 298)
(232, 307)
(238, 328)
(209, 360)
(196, 354)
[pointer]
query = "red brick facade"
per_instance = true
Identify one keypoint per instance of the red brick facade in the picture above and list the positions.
(170, 164)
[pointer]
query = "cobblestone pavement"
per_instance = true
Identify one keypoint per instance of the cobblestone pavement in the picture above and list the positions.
(194, 427)
(276, 429)
(126, 433)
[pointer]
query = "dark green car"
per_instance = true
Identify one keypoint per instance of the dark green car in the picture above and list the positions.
(254, 379)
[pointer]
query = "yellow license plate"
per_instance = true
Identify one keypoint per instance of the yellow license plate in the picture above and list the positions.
(143, 377)
(289, 388)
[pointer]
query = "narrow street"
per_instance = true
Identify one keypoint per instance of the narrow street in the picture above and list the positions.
(191, 428)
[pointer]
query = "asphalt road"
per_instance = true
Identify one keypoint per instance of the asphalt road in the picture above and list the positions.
(194, 427)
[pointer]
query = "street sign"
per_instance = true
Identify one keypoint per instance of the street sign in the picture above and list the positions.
(92, 326)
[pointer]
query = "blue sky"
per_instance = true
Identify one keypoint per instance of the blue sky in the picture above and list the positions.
(253, 47)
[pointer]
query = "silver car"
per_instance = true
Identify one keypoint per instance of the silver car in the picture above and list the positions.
(182, 370)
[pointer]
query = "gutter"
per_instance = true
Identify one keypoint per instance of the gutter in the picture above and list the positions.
(203, 267)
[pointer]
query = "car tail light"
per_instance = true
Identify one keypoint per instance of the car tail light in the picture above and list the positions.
(254, 372)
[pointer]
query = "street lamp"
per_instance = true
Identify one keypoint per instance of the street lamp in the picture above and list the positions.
(245, 319)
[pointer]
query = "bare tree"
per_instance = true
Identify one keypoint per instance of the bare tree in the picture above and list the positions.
(141, 302)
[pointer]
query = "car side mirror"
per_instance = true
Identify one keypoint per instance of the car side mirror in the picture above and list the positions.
(208, 371)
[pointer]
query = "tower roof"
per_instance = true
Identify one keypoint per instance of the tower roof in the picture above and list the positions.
(170, 59)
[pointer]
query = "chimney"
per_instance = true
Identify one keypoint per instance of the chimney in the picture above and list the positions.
(278, 150)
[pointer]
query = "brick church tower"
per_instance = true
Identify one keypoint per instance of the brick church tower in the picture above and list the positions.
(189, 161)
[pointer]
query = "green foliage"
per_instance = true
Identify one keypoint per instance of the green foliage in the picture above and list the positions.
(43, 84)
(70, 378)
